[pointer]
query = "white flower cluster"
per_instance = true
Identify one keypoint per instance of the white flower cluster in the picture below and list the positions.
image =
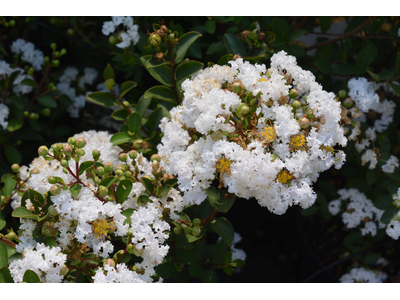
(29, 54)
(393, 228)
(364, 276)
(236, 253)
(18, 88)
(4, 111)
(119, 274)
(274, 159)
(131, 34)
(45, 261)
(65, 88)
(359, 211)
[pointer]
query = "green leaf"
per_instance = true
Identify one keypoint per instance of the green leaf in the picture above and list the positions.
(5, 276)
(3, 255)
(75, 189)
(224, 228)
(83, 166)
(363, 61)
(148, 184)
(371, 258)
(210, 26)
(35, 197)
(121, 138)
(154, 119)
(134, 123)
(212, 195)
(214, 47)
(237, 263)
(372, 176)
(12, 154)
(373, 75)
(126, 87)
(47, 101)
(281, 28)
(204, 210)
(108, 73)
(186, 256)
(352, 238)
(383, 202)
(9, 181)
(109, 83)
(161, 92)
(233, 44)
(195, 270)
(296, 34)
(128, 213)
(2, 20)
(2, 223)
(30, 277)
(387, 74)
(325, 23)
(395, 87)
(297, 50)
(161, 73)
(219, 251)
(343, 69)
(181, 241)
(166, 270)
(209, 276)
(397, 69)
(323, 65)
(225, 59)
(28, 82)
(14, 125)
(225, 203)
(388, 215)
(120, 114)
(184, 43)
(142, 105)
(24, 213)
(107, 182)
(123, 190)
(228, 270)
(309, 211)
(103, 98)
(184, 70)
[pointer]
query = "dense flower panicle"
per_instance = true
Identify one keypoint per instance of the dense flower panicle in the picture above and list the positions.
(131, 34)
(119, 274)
(29, 54)
(362, 92)
(362, 275)
(243, 114)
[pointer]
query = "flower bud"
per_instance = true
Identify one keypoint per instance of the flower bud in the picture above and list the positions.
(63, 51)
(138, 143)
(342, 94)
(35, 171)
(196, 222)
(304, 122)
(30, 71)
(71, 141)
(46, 112)
(128, 174)
(133, 154)
(177, 230)
(123, 157)
(310, 114)
(65, 171)
(53, 46)
(64, 270)
(283, 100)
(43, 150)
(34, 116)
(252, 35)
(293, 93)
(96, 154)
(67, 149)
(119, 173)
(243, 109)
(46, 59)
(296, 104)
(80, 142)
(237, 87)
(11, 236)
(159, 56)
(80, 152)
(26, 114)
(348, 102)
(52, 180)
(155, 157)
(137, 252)
(110, 262)
(15, 168)
(55, 63)
(55, 190)
(103, 191)
(187, 229)
(108, 167)
(154, 40)
(195, 231)
(112, 40)
(11, 23)
(100, 170)
(52, 210)
(129, 248)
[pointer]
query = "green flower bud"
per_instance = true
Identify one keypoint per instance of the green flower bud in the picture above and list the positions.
(283, 100)
(126, 103)
(195, 137)
(154, 40)
(177, 230)
(128, 174)
(243, 109)
(296, 104)
(237, 87)
(138, 143)
(80, 142)
(80, 152)
(53, 46)
(46, 59)
(195, 231)
(46, 112)
(71, 141)
(34, 116)
(196, 222)
(119, 173)
(67, 149)
(293, 93)
(55, 63)
(310, 114)
(304, 122)
(11, 236)
(133, 154)
(63, 51)
(57, 54)
(103, 191)
(252, 36)
(43, 150)
(70, 31)
(30, 71)
(52, 211)
(109, 262)
(15, 168)
(26, 114)
(6, 24)
(64, 270)
(52, 180)
(112, 40)
(342, 94)
(108, 167)
(171, 37)
(35, 171)
(155, 157)
(96, 154)
(11, 23)
(348, 102)
(100, 170)
(119, 167)
(123, 157)
(64, 163)
(65, 171)
(187, 229)
(55, 190)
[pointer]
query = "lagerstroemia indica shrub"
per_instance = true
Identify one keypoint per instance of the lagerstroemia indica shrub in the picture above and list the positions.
(147, 204)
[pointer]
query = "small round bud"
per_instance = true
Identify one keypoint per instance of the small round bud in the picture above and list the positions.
(154, 40)
(26, 114)
(304, 122)
(171, 37)
(52, 210)
(80, 152)
(119, 173)
(110, 262)
(30, 71)
(57, 54)
(119, 167)
(11, 236)
(34, 116)
(63, 51)
(128, 174)
(108, 167)
(342, 94)
(348, 102)
(123, 157)
(70, 31)
(138, 143)
(46, 59)
(296, 104)
(243, 109)
(195, 231)
(11, 23)
(55, 63)
(103, 191)
(80, 142)
(274, 156)
(64, 163)
(177, 230)
(43, 150)
(52, 180)
(67, 149)
(155, 157)
(237, 87)
(100, 170)
(293, 93)
(96, 154)
(65, 171)
(35, 171)
(64, 270)
(355, 124)
(252, 36)
(310, 114)
(71, 141)
(55, 190)
(196, 222)
(46, 112)
(53, 46)
(133, 154)
(96, 179)
(15, 168)
(112, 40)
(187, 230)
(283, 100)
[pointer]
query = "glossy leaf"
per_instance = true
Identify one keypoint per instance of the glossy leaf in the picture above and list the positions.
(134, 123)
(123, 190)
(9, 181)
(166, 270)
(148, 184)
(396, 88)
(12, 154)
(397, 69)
(5, 276)
(186, 256)
(388, 215)
(372, 176)
(296, 34)
(24, 213)
(186, 69)
(343, 69)
(209, 276)
(121, 138)
(323, 65)
(47, 101)
(85, 165)
(30, 277)
(214, 47)
(212, 195)
(210, 26)
(225, 203)
(154, 119)
(224, 228)
(2, 223)
(108, 73)
(160, 92)
(109, 83)
(371, 258)
(281, 28)
(237, 263)
(161, 73)
(28, 82)
(233, 44)
(195, 270)
(373, 75)
(184, 42)
(352, 238)
(120, 114)
(387, 74)
(103, 98)
(107, 182)
(75, 189)
(142, 105)
(14, 125)
(383, 202)
(325, 23)
(363, 61)
(128, 213)
(126, 87)
(3, 255)
(219, 251)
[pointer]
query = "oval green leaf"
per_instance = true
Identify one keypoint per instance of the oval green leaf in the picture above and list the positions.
(24, 213)
(3, 255)
(75, 189)
(363, 61)
(107, 182)
(142, 105)
(109, 83)
(154, 119)
(109, 73)
(184, 43)
(14, 125)
(161, 73)
(12, 154)
(30, 277)
(233, 44)
(134, 123)
(123, 190)
(120, 114)
(210, 26)
(388, 215)
(126, 87)
(9, 181)
(47, 101)
(121, 138)
(103, 98)
(224, 228)
(160, 92)
(186, 69)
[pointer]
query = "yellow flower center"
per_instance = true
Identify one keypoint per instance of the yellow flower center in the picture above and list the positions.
(100, 228)
(262, 79)
(269, 134)
(327, 149)
(224, 166)
(297, 140)
(283, 176)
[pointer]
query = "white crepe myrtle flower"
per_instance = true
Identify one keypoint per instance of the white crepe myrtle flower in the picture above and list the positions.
(362, 92)
(29, 53)
(4, 111)
(362, 275)
(369, 156)
(238, 124)
(45, 261)
(119, 274)
(128, 36)
(391, 164)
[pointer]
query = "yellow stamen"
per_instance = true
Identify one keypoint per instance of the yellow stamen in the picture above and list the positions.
(100, 228)
(283, 176)
(224, 166)
(297, 140)
(327, 149)
(269, 134)
(262, 79)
